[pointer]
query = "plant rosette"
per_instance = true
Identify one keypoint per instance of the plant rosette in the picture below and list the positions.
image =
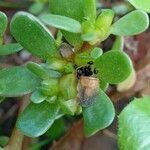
(71, 81)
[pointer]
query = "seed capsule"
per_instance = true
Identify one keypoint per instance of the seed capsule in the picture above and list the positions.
(87, 90)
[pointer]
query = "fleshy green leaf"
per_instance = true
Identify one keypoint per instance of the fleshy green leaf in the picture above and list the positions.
(17, 81)
(62, 22)
(3, 23)
(69, 8)
(10, 48)
(141, 4)
(89, 37)
(104, 20)
(36, 7)
(36, 119)
(33, 35)
(96, 52)
(134, 125)
(38, 70)
(131, 24)
(113, 66)
(99, 115)
(52, 73)
(90, 9)
(37, 97)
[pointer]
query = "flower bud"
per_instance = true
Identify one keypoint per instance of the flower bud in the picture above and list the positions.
(68, 86)
(50, 87)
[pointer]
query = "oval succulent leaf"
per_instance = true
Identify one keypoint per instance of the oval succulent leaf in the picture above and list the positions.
(33, 35)
(37, 97)
(134, 127)
(36, 119)
(73, 9)
(17, 81)
(144, 4)
(62, 22)
(38, 70)
(96, 52)
(113, 66)
(131, 24)
(10, 49)
(36, 7)
(104, 20)
(3, 23)
(99, 115)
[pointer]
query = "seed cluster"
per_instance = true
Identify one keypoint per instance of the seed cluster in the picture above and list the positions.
(86, 70)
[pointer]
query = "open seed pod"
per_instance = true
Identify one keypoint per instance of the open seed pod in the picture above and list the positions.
(87, 88)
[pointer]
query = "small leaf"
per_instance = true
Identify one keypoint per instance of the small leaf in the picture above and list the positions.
(36, 7)
(3, 23)
(38, 70)
(89, 37)
(90, 9)
(104, 20)
(96, 52)
(51, 73)
(33, 35)
(133, 23)
(36, 119)
(144, 4)
(99, 115)
(62, 22)
(37, 97)
(113, 66)
(17, 81)
(134, 125)
(10, 49)
(71, 8)
(75, 11)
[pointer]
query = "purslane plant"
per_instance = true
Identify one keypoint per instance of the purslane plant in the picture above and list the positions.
(74, 76)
